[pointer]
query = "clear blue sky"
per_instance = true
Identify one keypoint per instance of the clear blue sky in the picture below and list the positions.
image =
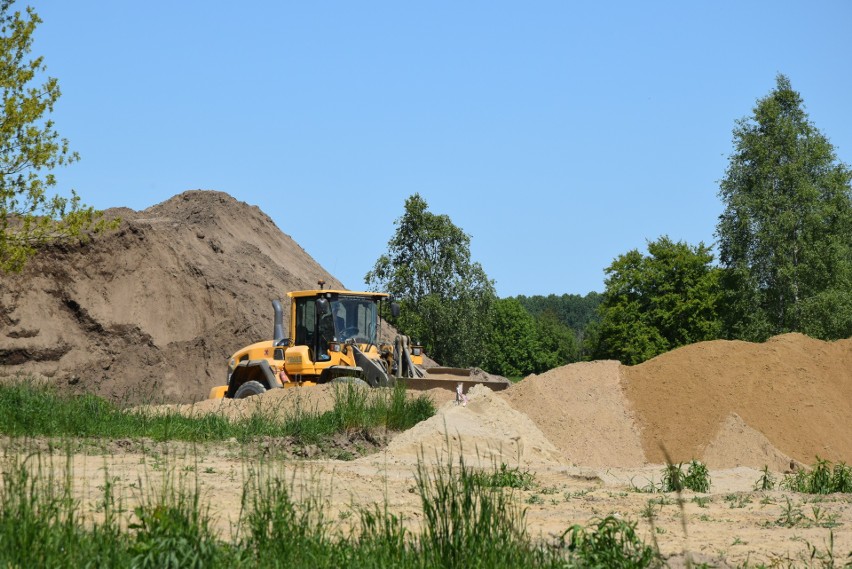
(557, 134)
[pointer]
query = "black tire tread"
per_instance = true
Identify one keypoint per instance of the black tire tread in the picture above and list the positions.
(249, 389)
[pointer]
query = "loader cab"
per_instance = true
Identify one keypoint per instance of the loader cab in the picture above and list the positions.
(332, 318)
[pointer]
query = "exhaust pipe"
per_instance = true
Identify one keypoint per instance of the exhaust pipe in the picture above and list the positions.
(278, 329)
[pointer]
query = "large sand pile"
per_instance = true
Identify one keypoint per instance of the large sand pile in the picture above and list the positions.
(153, 310)
(793, 390)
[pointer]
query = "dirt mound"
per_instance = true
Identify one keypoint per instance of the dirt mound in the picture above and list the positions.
(794, 390)
(486, 432)
(151, 311)
(582, 410)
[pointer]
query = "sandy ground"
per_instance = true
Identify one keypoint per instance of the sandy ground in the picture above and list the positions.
(732, 524)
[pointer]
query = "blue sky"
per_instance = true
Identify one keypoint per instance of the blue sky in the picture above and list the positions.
(559, 135)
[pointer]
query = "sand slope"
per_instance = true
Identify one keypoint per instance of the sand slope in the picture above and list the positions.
(583, 411)
(795, 390)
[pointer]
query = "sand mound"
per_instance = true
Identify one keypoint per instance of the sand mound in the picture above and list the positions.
(737, 444)
(582, 410)
(795, 390)
(486, 432)
(152, 311)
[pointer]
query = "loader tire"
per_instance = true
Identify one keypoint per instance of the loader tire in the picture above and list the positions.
(351, 381)
(250, 388)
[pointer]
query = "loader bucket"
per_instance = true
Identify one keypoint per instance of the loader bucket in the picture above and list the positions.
(450, 377)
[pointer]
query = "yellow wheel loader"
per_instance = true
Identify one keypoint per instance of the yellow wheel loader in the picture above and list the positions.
(334, 337)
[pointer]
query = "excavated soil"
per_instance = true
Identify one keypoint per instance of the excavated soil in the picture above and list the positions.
(149, 314)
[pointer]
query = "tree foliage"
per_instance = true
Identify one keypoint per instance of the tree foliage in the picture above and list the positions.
(657, 302)
(558, 344)
(514, 344)
(785, 235)
(572, 311)
(522, 344)
(30, 148)
(446, 298)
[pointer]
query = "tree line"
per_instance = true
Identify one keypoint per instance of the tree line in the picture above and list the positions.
(784, 264)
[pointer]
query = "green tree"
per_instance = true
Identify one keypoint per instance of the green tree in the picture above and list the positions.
(558, 343)
(514, 345)
(521, 344)
(658, 302)
(578, 313)
(30, 148)
(785, 235)
(445, 297)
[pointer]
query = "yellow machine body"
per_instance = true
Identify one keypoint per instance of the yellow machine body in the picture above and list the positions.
(333, 337)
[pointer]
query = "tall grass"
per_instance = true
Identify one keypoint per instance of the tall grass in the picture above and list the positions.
(465, 524)
(822, 478)
(27, 409)
(41, 523)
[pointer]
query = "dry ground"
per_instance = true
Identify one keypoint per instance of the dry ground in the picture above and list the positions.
(733, 524)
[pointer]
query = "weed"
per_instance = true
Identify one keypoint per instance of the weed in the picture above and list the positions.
(766, 480)
(173, 530)
(791, 515)
(462, 515)
(41, 526)
(28, 409)
(737, 500)
(696, 477)
(535, 499)
(505, 477)
(841, 479)
(822, 478)
(673, 478)
(702, 501)
(610, 543)
(662, 501)
(824, 519)
(578, 494)
(825, 556)
(648, 511)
